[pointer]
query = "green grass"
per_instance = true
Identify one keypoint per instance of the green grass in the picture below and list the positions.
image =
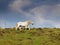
(35, 36)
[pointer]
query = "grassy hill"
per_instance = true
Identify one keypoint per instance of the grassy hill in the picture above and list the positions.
(35, 36)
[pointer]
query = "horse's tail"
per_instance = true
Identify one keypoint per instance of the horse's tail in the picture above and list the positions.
(16, 25)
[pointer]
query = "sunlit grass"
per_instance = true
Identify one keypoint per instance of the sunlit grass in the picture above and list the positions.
(35, 36)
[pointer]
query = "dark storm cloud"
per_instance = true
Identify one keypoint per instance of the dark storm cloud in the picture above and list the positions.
(36, 3)
(4, 4)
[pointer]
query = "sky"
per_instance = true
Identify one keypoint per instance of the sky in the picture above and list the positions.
(44, 13)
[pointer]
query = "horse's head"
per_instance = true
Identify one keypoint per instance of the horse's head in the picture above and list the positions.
(30, 22)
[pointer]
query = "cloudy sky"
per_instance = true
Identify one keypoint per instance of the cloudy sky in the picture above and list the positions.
(44, 13)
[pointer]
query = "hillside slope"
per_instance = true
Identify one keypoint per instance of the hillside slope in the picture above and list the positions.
(35, 36)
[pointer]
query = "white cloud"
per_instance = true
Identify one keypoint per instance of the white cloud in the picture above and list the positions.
(41, 11)
(38, 14)
(18, 4)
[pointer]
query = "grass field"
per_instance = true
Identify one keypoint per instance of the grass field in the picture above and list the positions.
(35, 36)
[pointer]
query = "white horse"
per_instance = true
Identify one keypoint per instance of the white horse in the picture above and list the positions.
(25, 24)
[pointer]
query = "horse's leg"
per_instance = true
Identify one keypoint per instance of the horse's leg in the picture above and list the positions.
(20, 28)
(28, 28)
